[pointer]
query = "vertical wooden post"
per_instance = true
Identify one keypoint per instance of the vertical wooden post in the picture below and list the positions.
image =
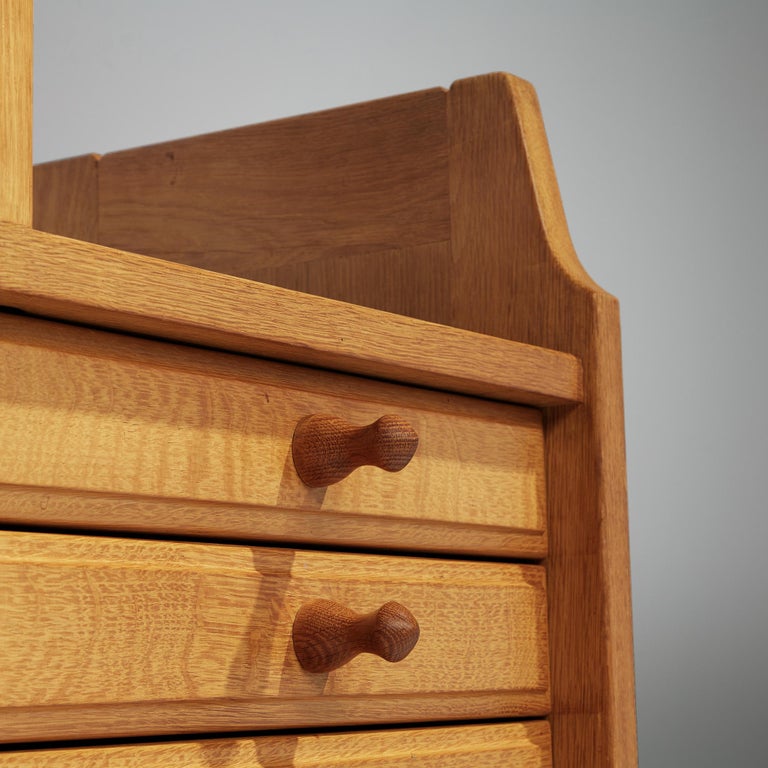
(16, 111)
(517, 276)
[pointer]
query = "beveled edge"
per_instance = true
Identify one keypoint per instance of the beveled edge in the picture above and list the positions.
(76, 281)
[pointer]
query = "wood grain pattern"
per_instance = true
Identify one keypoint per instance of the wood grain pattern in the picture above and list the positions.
(338, 203)
(66, 197)
(89, 510)
(140, 637)
(506, 201)
(16, 111)
(413, 281)
(83, 410)
(88, 283)
(510, 745)
(368, 177)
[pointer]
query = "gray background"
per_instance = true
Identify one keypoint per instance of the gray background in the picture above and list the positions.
(657, 116)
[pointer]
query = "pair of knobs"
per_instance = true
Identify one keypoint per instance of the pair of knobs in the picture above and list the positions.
(326, 635)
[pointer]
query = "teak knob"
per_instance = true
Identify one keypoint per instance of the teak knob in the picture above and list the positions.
(326, 448)
(326, 635)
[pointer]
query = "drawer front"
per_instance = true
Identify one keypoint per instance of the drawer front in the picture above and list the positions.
(115, 637)
(201, 441)
(511, 745)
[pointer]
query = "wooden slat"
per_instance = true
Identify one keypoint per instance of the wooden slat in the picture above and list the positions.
(506, 201)
(16, 111)
(511, 745)
(146, 637)
(78, 281)
(66, 195)
(201, 443)
(363, 178)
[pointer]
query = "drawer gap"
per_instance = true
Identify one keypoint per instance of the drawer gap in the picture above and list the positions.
(246, 734)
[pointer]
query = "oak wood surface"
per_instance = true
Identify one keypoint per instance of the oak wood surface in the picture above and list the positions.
(334, 203)
(16, 111)
(505, 200)
(508, 745)
(368, 177)
(66, 197)
(146, 637)
(90, 412)
(412, 281)
(92, 284)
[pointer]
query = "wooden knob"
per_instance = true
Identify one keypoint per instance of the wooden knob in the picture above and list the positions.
(326, 635)
(326, 448)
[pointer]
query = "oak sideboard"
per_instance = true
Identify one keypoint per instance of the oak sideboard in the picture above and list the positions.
(312, 446)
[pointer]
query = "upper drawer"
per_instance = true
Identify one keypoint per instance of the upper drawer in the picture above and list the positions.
(201, 444)
(114, 637)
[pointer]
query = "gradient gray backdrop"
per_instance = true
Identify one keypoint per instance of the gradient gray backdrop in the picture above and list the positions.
(657, 115)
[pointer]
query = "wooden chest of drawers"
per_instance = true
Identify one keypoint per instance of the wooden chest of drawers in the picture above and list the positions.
(171, 635)
(160, 541)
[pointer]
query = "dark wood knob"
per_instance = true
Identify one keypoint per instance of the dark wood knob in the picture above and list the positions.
(326, 635)
(326, 448)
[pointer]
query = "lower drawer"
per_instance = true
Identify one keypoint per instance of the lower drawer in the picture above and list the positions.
(512, 745)
(118, 637)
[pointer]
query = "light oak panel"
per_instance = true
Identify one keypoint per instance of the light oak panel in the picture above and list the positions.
(511, 745)
(369, 177)
(505, 201)
(141, 637)
(106, 417)
(72, 280)
(338, 203)
(66, 197)
(16, 111)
